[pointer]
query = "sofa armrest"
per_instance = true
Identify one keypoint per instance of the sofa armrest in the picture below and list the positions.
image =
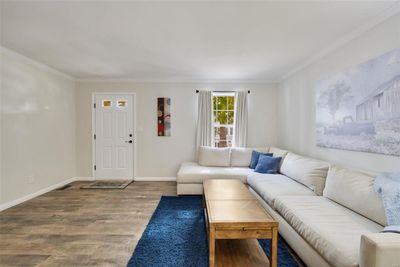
(380, 250)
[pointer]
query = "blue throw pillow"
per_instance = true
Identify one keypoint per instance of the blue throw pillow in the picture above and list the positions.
(268, 164)
(254, 158)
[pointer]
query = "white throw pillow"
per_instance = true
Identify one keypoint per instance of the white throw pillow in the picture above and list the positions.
(241, 156)
(355, 190)
(214, 157)
(310, 172)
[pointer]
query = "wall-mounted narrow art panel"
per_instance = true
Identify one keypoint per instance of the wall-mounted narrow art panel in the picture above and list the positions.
(164, 116)
(359, 109)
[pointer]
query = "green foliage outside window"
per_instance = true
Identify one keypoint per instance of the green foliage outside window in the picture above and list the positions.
(224, 109)
(224, 114)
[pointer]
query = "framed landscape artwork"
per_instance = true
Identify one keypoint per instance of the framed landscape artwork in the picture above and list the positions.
(164, 116)
(359, 109)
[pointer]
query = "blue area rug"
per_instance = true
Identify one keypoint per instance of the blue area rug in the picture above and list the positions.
(176, 237)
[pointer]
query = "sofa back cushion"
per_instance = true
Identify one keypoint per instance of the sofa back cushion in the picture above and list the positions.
(310, 172)
(355, 190)
(214, 157)
(277, 152)
(241, 156)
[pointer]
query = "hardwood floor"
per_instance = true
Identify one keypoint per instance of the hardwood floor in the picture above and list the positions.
(79, 227)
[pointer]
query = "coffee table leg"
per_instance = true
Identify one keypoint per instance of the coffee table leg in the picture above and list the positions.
(211, 247)
(274, 247)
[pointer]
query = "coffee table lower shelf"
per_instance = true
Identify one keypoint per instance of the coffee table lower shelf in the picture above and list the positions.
(240, 252)
(240, 247)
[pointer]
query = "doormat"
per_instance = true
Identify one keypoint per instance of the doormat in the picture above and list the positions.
(107, 184)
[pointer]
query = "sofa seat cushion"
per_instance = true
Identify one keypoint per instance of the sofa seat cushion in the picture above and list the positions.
(270, 186)
(193, 173)
(331, 229)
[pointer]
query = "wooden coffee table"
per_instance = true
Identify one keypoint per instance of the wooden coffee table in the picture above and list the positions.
(234, 213)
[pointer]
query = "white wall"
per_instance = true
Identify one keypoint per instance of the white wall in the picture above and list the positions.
(46, 118)
(296, 98)
(161, 156)
(37, 127)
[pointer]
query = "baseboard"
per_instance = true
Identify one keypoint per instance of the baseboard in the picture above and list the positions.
(84, 179)
(155, 179)
(73, 179)
(141, 179)
(35, 194)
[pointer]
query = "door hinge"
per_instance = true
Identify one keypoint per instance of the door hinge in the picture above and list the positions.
(94, 167)
(94, 105)
(94, 136)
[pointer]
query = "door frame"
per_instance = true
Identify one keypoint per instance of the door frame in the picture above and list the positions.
(133, 94)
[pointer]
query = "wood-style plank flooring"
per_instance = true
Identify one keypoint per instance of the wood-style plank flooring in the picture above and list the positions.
(79, 227)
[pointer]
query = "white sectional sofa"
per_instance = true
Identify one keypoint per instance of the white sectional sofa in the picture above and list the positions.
(329, 215)
(214, 163)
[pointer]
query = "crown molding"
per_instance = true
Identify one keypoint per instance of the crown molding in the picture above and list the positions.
(196, 81)
(35, 63)
(385, 15)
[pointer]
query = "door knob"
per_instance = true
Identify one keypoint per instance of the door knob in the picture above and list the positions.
(130, 141)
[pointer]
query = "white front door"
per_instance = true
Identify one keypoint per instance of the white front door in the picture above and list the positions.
(113, 136)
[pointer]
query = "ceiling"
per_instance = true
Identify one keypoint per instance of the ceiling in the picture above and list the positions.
(177, 40)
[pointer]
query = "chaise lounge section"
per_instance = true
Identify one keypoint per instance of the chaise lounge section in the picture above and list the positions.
(214, 163)
(331, 216)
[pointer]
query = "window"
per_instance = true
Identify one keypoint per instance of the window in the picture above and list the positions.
(224, 114)
(121, 103)
(107, 103)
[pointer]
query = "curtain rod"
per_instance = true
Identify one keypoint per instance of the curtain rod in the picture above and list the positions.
(248, 91)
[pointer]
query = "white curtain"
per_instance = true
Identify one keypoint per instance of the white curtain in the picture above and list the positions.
(240, 131)
(204, 121)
